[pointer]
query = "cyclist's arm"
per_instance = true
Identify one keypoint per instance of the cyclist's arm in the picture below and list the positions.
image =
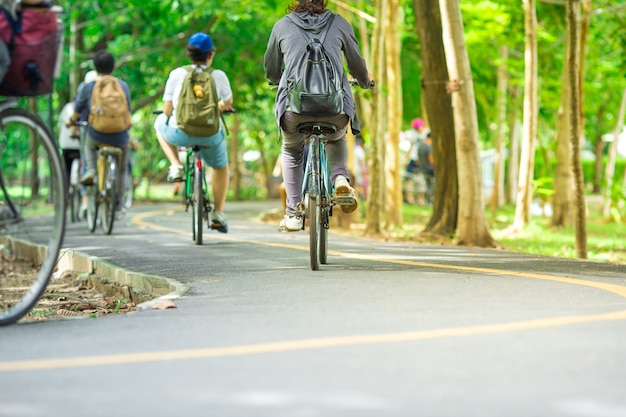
(168, 107)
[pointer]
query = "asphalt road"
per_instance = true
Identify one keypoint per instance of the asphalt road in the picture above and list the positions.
(385, 329)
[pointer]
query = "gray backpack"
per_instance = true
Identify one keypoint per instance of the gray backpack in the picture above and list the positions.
(317, 87)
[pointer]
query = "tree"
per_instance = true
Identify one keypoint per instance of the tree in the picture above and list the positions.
(393, 197)
(438, 105)
(573, 14)
(527, 159)
(472, 227)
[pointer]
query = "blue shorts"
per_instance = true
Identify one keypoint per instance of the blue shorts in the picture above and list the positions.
(213, 147)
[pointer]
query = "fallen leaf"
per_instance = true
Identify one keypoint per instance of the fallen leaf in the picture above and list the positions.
(163, 304)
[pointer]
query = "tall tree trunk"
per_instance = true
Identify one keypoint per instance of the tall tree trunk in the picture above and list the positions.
(527, 160)
(438, 104)
(497, 196)
(563, 182)
(514, 149)
(472, 227)
(610, 164)
(393, 195)
(573, 14)
(376, 154)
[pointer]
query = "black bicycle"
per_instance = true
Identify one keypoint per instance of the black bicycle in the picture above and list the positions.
(33, 187)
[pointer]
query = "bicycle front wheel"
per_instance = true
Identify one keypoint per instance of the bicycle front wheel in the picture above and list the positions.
(109, 194)
(33, 200)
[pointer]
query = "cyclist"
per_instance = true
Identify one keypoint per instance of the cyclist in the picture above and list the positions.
(416, 137)
(104, 63)
(201, 51)
(285, 46)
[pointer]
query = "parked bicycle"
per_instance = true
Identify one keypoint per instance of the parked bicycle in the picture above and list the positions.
(32, 209)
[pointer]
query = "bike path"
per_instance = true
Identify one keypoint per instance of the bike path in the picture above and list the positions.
(384, 329)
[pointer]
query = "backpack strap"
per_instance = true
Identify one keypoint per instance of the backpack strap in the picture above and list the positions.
(14, 23)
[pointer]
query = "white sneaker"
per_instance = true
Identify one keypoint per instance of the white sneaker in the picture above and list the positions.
(290, 224)
(344, 195)
(218, 221)
(175, 173)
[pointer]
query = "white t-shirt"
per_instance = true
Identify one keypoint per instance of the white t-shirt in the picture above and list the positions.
(175, 83)
(65, 139)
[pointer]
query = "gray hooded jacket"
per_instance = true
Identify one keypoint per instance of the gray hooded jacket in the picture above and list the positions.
(286, 45)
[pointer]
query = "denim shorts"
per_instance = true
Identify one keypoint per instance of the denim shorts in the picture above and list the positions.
(213, 147)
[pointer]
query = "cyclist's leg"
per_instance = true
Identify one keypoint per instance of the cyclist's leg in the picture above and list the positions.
(214, 155)
(170, 139)
(337, 148)
(91, 155)
(293, 159)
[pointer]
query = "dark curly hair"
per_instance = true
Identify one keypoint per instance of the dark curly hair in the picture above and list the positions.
(196, 56)
(311, 6)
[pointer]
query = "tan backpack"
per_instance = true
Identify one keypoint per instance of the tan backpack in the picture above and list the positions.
(109, 109)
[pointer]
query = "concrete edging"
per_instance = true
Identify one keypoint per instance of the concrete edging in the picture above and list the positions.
(161, 288)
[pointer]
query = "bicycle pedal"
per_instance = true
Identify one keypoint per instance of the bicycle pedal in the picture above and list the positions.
(345, 199)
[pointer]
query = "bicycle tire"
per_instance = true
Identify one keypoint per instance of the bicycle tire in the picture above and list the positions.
(129, 190)
(323, 234)
(75, 200)
(198, 198)
(314, 232)
(34, 187)
(109, 194)
(92, 207)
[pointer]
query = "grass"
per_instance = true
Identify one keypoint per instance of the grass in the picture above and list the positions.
(606, 239)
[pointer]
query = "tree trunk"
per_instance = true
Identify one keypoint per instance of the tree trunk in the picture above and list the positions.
(573, 14)
(438, 106)
(514, 149)
(497, 196)
(472, 227)
(563, 182)
(527, 160)
(610, 164)
(393, 196)
(376, 156)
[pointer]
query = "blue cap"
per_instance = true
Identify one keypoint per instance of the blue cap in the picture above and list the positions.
(201, 41)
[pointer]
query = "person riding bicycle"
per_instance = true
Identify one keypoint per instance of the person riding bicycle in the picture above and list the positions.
(416, 137)
(285, 47)
(104, 64)
(201, 51)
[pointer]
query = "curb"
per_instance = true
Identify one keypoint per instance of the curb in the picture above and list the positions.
(159, 288)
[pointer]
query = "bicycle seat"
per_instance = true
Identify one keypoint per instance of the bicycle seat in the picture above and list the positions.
(109, 150)
(320, 127)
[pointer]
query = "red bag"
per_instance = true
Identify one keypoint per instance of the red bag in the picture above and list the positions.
(33, 42)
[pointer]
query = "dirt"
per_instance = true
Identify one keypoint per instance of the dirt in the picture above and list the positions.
(69, 295)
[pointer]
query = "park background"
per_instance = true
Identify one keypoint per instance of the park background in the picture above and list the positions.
(516, 101)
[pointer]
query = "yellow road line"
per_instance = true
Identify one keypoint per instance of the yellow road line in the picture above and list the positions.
(300, 345)
(332, 342)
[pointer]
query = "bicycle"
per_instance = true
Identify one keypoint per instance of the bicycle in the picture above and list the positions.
(415, 188)
(74, 196)
(317, 201)
(103, 194)
(196, 191)
(33, 186)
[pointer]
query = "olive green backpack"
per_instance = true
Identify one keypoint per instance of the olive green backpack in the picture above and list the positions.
(197, 111)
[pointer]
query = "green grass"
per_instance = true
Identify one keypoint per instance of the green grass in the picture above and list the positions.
(606, 239)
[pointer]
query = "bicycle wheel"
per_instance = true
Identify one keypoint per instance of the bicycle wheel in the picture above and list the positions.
(128, 190)
(323, 234)
(75, 203)
(314, 232)
(33, 200)
(198, 199)
(92, 207)
(109, 194)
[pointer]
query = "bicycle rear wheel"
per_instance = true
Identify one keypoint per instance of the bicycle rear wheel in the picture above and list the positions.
(323, 234)
(92, 207)
(75, 200)
(197, 199)
(314, 232)
(109, 194)
(33, 200)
